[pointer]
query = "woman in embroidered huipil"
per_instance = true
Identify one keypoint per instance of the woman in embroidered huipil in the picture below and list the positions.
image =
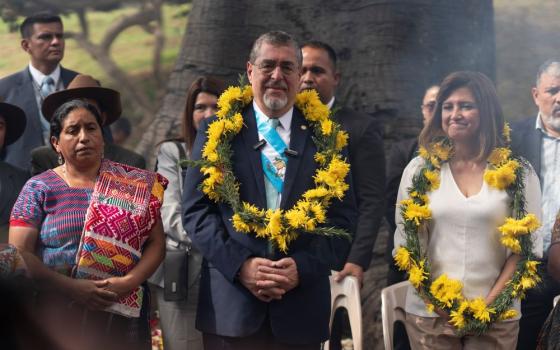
(462, 239)
(90, 231)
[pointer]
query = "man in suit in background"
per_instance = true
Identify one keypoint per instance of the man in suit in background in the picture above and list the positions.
(43, 39)
(537, 139)
(367, 160)
(365, 148)
(108, 101)
(250, 297)
(12, 179)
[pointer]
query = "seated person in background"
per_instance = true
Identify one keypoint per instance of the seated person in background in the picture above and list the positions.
(108, 102)
(12, 179)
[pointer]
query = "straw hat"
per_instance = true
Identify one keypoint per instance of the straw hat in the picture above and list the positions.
(15, 121)
(85, 86)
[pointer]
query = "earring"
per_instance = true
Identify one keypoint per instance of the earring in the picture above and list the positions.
(60, 159)
(102, 155)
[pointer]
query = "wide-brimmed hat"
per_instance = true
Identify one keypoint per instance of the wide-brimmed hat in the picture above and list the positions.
(85, 86)
(15, 121)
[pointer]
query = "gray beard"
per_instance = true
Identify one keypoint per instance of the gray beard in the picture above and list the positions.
(275, 103)
(551, 122)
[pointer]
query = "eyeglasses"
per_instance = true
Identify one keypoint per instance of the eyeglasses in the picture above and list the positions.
(268, 66)
(430, 106)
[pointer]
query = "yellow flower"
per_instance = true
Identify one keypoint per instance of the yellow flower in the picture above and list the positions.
(215, 130)
(423, 152)
(316, 193)
(446, 290)
(441, 151)
(274, 226)
(422, 198)
(511, 243)
(525, 225)
(318, 212)
(320, 158)
(228, 97)
(417, 213)
(341, 140)
(417, 275)
(503, 176)
(339, 168)
(304, 97)
(326, 127)
(433, 178)
(253, 210)
(480, 310)
(239, 224)
(531, 266)
(237, 120)
(457, 317)
(430, 307)
(296, 218)
(527, 282)
(499, 156)
(403, 259)
(506, 315)
(247, 94)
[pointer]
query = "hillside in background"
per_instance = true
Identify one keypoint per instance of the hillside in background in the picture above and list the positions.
(133, 50)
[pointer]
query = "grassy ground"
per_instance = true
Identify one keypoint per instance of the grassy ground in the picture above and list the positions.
(133, 49)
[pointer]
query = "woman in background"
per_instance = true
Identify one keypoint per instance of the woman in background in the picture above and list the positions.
(177, 311)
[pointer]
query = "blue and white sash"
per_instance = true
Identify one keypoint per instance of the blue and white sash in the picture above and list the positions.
(274, 160)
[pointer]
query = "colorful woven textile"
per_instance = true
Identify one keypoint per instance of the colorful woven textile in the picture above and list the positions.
(124, 207)
(11, 262)
(58, 212)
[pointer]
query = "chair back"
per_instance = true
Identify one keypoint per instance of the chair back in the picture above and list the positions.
(393, 299)
(346, 294)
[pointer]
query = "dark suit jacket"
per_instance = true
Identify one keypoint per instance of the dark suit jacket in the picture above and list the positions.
(367, 160)
(402, 153)
(12, 180)
(18, 89)
(526, 141)
(44, 158)
(225, 306)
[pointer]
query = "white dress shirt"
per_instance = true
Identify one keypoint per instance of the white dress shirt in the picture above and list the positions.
(462, 239)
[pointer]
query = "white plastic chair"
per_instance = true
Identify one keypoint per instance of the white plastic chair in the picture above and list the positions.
(393, 300)
(346, 294)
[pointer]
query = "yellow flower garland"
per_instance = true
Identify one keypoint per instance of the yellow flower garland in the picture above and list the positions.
(468, 316)
(309, 213)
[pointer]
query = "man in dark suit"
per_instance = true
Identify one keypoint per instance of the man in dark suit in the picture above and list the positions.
(537, 139)
(365, 147)
(108, 102)
(12, 179)
(43, 39)
(367, 160)
(250, 297)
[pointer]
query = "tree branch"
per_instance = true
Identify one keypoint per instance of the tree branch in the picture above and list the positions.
(143, 16)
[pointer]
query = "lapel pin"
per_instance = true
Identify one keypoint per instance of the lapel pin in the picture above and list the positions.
(303, 127)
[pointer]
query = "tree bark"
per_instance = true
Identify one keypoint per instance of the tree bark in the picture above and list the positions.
(389, 51)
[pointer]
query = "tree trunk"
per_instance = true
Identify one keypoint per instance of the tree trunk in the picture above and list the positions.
(389, 52)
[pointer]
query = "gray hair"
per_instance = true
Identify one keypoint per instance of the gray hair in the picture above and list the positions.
(275, 38)
(551, 67)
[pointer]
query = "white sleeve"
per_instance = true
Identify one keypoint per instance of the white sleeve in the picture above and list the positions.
(168, 166)
(406, 182)
(533, 206)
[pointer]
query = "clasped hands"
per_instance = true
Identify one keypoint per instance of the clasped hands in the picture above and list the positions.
(98, 295)
(268, 279)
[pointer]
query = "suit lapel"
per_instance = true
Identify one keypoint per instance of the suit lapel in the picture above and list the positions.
(28, 99)
(534, 141)
(298, 139)
(250, 138)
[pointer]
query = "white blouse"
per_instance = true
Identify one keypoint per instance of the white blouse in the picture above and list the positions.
(462, 239)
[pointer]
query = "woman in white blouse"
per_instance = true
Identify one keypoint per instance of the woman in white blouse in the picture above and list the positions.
(177, 311)
(462, 239)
